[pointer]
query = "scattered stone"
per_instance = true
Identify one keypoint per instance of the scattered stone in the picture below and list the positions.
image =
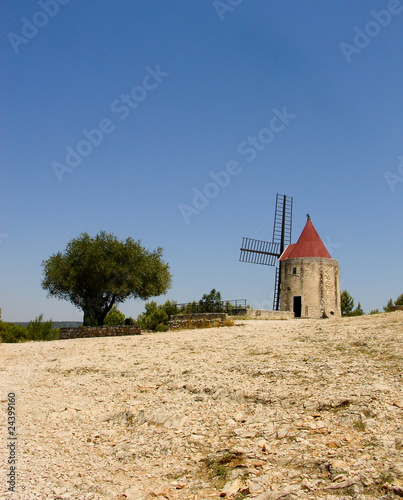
(232, 488)
(281, 433)
(281, 410)
(134, 493)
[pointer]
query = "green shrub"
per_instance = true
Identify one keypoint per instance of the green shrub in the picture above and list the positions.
(114, 317)
(399, 300)
(10, 333)
(161, 328)
(40, 330)
(347, 304)
(211, 302)
(154, 317)
(36, 330)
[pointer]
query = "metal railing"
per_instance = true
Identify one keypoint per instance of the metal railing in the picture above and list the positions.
(231, 307)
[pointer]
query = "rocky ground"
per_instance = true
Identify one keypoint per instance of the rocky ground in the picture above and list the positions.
(298, 409)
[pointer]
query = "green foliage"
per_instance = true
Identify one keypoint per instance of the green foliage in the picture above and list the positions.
(211, 302)
(357, 311)
(374, 311)
(387, 308)
(114, 317)
(347, 303)
(399, 300)
(41, 330)
(10, 333)
(97, 273)
(36, 330)
(191, 308)
(156, 317)
(220, 466)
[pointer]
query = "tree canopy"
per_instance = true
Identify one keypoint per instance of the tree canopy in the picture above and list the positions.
(397, 302)
(347, 305)
(96, 273)
(211, 302)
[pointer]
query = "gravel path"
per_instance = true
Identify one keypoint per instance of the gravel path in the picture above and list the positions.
(309, 409)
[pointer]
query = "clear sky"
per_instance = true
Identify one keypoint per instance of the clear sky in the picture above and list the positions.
(120, 116)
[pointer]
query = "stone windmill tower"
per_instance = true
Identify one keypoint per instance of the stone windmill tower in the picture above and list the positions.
(310, 281)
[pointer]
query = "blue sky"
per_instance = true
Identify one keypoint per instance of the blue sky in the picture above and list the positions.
(173, 93)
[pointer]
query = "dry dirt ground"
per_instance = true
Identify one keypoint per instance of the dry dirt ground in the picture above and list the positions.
(298, 409)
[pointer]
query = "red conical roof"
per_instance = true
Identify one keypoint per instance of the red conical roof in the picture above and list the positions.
(308, 245)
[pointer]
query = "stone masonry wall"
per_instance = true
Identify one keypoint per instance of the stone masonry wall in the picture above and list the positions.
(99, 331)
(316, 280)
(200, 320)
(265, 314)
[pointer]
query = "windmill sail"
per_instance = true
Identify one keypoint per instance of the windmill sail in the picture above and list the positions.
(259, 252)
(267, 253)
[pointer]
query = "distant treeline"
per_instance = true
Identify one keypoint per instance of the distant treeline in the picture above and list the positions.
(35, 330)
(56, 324)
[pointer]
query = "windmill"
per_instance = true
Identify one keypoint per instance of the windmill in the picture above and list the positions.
(267, 253)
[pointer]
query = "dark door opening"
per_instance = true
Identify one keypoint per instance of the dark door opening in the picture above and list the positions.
(297, 307)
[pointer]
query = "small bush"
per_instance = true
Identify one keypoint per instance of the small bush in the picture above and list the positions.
(36, 330)
(161, 328)
(114, 317)
(211, 302)
(10, 333)
(156, 317)
(347, 305)
(41, 330)
(397, 302)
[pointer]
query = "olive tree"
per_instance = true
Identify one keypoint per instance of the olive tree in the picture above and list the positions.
(97, 273)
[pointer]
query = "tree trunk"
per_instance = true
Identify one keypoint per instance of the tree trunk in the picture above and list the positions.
(90, 318)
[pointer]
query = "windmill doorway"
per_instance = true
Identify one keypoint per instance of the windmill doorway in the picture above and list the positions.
(297, 306)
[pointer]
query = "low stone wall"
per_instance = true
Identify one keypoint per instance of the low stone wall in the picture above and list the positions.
(99, 331)
(200, 320)
(396, 308)
(265, 314)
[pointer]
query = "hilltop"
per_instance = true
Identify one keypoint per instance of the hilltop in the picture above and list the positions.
(297, 409)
